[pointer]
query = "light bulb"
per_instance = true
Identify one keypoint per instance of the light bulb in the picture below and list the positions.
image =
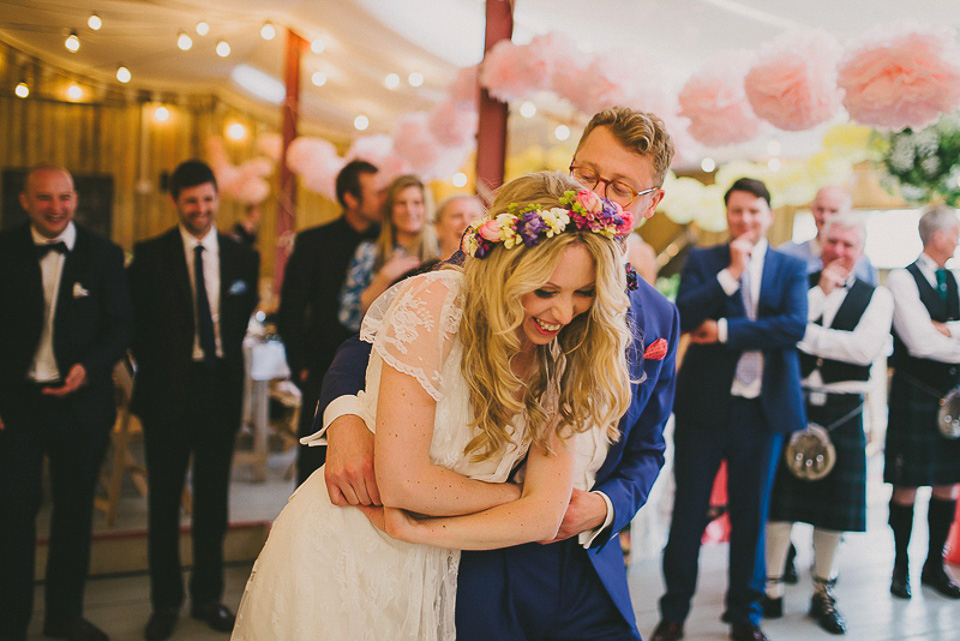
(528, 109)
(22, 90)
(94, 22)
(415, 79)
(74, 92)
(317, 45)
(708, 164)
(223, 49)
(184, 42)
(361, 122)
(318, 78)
(72, 43)
(392, 81)
(203, 28)
(161, 114)
(562, 132)
(123, 74)
(236, 131)
(459, 179)
(268, 31)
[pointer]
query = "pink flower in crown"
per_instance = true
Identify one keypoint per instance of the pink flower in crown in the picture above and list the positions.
(490, 230)
(590, 201)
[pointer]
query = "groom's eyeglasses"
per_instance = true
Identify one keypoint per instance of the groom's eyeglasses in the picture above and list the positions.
(614, 190)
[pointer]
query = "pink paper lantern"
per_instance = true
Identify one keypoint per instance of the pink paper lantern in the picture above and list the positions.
(794, 84)
(453, 126)
(901, 76)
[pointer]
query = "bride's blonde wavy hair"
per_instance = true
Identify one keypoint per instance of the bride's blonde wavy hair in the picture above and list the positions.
(586, 369)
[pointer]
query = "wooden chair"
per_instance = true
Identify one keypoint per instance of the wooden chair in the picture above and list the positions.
(126, 430)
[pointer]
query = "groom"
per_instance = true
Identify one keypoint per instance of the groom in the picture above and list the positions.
(575, 587)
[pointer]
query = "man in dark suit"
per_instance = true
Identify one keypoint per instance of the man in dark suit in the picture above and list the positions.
(65, 320)
(576, 586)
(310, 294)
(738, 392)
(193, 292)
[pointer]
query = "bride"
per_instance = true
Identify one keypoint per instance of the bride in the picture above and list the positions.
(474, 371)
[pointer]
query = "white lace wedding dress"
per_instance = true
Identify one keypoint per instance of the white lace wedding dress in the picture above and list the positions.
(325, 572)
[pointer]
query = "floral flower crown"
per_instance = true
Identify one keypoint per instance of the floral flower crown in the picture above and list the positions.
(587, 211)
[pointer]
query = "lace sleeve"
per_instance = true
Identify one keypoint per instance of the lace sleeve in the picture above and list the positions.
(412, 326)
(358, 278)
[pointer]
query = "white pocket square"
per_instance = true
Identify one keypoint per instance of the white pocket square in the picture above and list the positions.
(237, 287)
(79, 291)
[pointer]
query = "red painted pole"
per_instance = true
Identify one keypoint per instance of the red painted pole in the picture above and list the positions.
(287, 201)
(492, 129)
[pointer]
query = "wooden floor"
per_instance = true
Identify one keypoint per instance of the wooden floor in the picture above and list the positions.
(120, 604)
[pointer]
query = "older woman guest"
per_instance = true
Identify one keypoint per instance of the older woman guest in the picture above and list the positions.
(406, 240)
(453, 216)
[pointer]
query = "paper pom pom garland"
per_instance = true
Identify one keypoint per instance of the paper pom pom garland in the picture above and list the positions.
(794, 84)
(901, 76)
(714, 101)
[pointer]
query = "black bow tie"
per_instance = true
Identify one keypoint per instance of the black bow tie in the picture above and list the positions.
(44, 249)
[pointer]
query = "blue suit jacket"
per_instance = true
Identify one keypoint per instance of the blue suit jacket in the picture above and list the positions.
(633, 462)
(705, 379)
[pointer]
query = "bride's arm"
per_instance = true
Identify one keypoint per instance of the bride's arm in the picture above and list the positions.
(535, 516)
(406, 476)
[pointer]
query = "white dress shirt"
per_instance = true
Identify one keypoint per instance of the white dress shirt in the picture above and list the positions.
(44, 367)
(912, 320)
(860, 346)
(731, 286)
(589, 454)
(211, 281)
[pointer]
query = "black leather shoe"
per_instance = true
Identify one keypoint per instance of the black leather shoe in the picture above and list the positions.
(772, 608)
(823, 608)
(900, 583)
(747, 632)
(790, 574)
(214, 614)
(161, 624)
(667, 631)
(937, 578)
(78, 629)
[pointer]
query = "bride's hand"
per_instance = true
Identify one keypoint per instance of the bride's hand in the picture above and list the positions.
(394, 522)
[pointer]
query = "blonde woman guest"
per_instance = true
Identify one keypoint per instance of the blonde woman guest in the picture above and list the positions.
(453, 216)
(473, 369)
(406, 240)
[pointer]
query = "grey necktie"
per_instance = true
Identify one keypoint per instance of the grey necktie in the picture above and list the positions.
(748, 367)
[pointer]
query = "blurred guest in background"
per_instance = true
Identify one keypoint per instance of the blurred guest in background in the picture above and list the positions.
(453, 216)
(65, 320)
(310, 293)
(738, 392)
(926, 362)
(406, 240)
(828, 202)
(193, 292)
(848, 327)
(245, 230)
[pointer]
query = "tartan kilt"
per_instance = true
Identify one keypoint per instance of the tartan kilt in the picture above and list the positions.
(917, 454)
(838, 501)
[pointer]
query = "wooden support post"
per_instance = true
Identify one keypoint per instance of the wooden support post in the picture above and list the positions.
(287, 201)
(492, 129)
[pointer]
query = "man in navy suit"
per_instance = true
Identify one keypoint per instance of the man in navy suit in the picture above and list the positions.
(574, 587)
(738, 392)
(65, 320)
(193, 292)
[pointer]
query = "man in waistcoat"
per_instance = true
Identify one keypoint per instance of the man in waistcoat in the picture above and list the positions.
(926, 362)
(848, 327)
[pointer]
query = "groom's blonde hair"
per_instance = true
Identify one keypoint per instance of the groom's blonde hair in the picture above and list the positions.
(587, 370)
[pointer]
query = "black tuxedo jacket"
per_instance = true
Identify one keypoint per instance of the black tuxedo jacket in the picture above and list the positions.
(92, 321)
(164, 324)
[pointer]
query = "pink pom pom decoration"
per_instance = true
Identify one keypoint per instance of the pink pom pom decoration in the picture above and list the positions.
(714, 101)
(378, 149)
(453, 126)
(901, 76)
(512, 72)
(794, 84)
(270, 145)
(414, 143)
(316, 162)
(465, 89)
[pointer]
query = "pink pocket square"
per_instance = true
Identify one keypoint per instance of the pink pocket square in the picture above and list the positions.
(656, 350)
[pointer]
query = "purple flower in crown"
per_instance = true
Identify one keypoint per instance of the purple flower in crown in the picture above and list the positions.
(530, 225)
